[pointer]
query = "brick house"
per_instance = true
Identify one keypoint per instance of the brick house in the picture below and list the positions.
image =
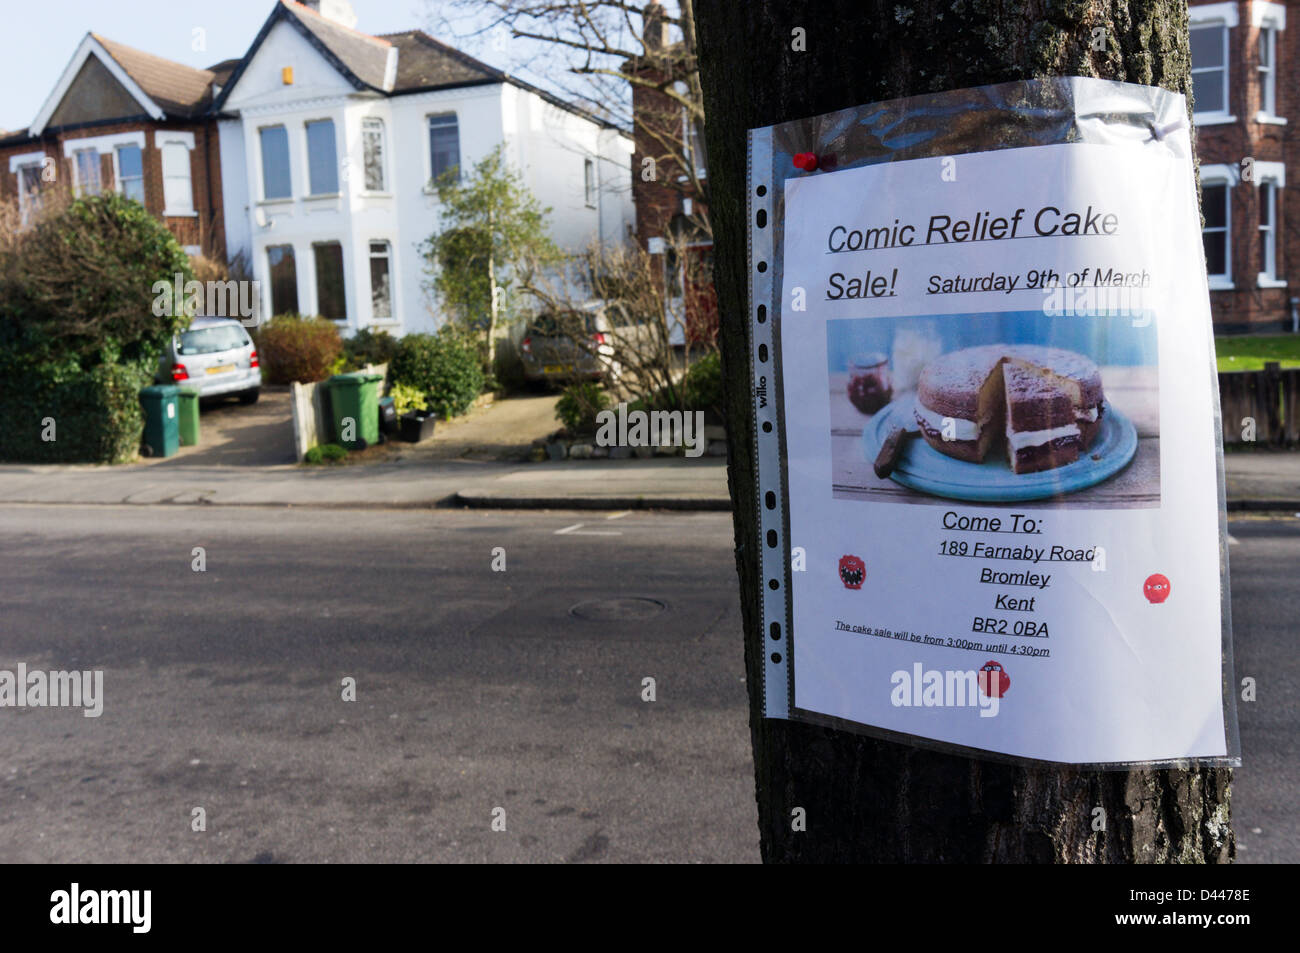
(669, 184)
(1245, 72)
(123, 120)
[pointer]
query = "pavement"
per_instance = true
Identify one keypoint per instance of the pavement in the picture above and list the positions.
(1256, 481)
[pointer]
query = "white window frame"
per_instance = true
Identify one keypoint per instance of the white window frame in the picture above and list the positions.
(390, 256)
(79, 186)
(103, 145)
(306, 154)
(346, 320)
(1270, 17)
(589, 184)
(16, 165)
(1225, 175)
(186, 139)
(1274, 173)
(428, 147)
(1216, 15)
(117, 168)
(383, 155)
(261, 163)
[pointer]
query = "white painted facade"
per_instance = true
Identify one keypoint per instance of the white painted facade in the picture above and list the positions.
(549, 144)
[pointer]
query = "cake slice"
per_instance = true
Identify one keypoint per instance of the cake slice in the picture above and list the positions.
(1042, 427)
(1073, 373)
(961, 393)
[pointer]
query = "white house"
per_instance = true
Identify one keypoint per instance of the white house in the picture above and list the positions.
(330, 139)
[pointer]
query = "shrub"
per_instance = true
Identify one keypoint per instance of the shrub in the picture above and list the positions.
(293, 348)
(83, 321)
(578, 406)
(406, 398)
(702, 385)
(325, 453)
(444, 367)
(93, 416)
(369, 346)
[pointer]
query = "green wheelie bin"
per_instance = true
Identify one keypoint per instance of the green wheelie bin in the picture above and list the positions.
(161, 420)
(354, 402)
(188, 396)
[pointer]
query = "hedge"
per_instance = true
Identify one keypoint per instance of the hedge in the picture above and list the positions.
(95, 415)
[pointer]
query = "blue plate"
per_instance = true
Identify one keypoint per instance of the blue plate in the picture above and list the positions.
(921, 467)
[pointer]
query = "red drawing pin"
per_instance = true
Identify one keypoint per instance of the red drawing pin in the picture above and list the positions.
(993, 679)
(1156, 588)
(806, 161)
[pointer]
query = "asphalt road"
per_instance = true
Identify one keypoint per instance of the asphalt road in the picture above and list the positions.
(475, 690)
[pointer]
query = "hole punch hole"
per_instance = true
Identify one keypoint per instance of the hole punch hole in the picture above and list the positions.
(775, 630)
(762, 313)
(771, 538)
(773, 584)
(767, 426)
(761, 190)
(776, 658)
(762, 266)
(770, 500)
(761, 218)
(762, 353)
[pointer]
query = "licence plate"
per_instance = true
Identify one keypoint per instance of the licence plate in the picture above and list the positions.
(557, 368)
(221, 369)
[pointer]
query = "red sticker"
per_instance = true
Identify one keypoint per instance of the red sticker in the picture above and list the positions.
(1156, 588)
(852, 572)
(994, 681)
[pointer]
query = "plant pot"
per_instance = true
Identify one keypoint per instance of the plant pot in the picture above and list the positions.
(417, 426)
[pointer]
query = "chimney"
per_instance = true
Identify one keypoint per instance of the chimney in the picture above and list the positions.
(340, 11)
(652, 26)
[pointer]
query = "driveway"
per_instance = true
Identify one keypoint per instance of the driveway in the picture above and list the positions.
(235, 434)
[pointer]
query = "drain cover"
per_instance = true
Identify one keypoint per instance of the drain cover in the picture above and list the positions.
(618, 610)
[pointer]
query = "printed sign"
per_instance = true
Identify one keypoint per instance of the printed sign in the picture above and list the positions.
(998, 413)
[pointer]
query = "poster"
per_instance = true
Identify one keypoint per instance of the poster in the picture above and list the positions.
(1000, 473)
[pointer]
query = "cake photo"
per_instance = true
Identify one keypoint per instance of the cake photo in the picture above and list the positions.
(995, 408)
(1040, 406)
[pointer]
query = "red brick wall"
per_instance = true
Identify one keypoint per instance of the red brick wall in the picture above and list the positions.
(206, 230)
(658, 201)
(1248, 307)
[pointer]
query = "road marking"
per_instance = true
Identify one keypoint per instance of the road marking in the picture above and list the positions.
(576, 530)
(618, 516)
(1232, 540)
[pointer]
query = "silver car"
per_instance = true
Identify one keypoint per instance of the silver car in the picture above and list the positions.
(217, 356)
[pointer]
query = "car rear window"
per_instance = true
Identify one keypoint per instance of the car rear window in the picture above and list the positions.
(223, 337)
(567, 323)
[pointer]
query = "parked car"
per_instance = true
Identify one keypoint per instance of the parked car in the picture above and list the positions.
(217, 356)
(580, 345)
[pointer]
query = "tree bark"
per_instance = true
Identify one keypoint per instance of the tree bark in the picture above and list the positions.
(870, 800)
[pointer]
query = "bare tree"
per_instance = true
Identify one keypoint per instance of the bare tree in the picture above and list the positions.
(631, 63)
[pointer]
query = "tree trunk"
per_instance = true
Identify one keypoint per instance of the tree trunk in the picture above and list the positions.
(869, 800)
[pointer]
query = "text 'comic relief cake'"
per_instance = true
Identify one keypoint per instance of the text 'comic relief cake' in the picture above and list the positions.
(1042, 405)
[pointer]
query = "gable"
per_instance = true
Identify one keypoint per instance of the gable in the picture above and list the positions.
(94, 94)
(259, 79)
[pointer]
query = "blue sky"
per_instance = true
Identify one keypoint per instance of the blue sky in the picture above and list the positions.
(40, 38)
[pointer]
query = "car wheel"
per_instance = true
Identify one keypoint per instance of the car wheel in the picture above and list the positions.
(250, 396)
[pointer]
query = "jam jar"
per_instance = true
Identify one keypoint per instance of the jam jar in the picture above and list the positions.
(870, 387)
